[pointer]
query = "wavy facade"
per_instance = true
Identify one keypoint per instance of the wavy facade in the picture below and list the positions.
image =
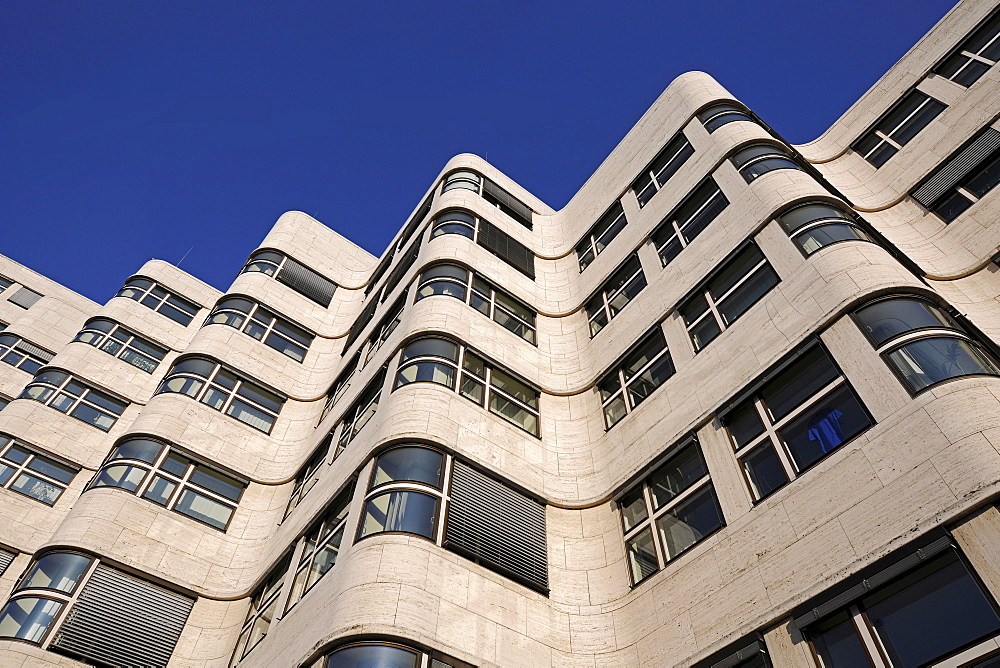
(736, 404)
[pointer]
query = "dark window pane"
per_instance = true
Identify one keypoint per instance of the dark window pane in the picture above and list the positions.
(641, 555)
(838, 644)
(202, 508)
(432, 348)
(217, 482)
(803, 215)
(426, 372)
(917, 123)
(888, 318)
(52, 469)
(689, 522)
(744, 424)
(801, 380)
(676, 475)
(986, 176)
(812, 240)
(372, 656)
(824, 427)
(763, 470)
(413, 464)
(928, 361)
(60, 571)
(633, 508)
(734, 271)
(409, 512)
(747, 294)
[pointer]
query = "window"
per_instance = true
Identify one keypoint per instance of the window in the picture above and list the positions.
(457, 367)
(964, 178)
(384, 655)
(308, 475)
(817, 224)
(24, 297)
(360, 412)
(688, 220)
(895, 128)
(36, 476)
(461, 283)
(69, 395)
(671, 510)
(385, 328)
(931, 611)
(664, 165)
(3, 402)
(759, 159)
(407, 494)
(117, 341)
(793, 419)
(5, 283)
(322, 545)
(491, 192)
(643, 369)
(263, 609)
(728, 293)
(360, 323)
(921, 343)
(340, 385)
(600, 235)
(487, 235)
(72, 604)
(6, 558)
(22, 354)
(462, 180)
(154, 296)
(974, 55)
(621, 288)
(717, 115)
(216, 386)
(163, 475)
(747, 653)
(258, 322)
(294, 274)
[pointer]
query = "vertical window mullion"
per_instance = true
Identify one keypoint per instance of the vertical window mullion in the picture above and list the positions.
(661, 553)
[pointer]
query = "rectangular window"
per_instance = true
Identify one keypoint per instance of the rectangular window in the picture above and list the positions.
(487, 235)
(294, 274)
(385, 328)
(728, 293)
(687, 221)
(963, 179)
(507, 203)
(36, 476)
(405, 264)
(69, 395)
(643, 369)
(4, 401)
(360, 412)
(895, 128)
(153, 295)
(976, 54)
(600, 235)
(322, 545)
(670, 511)
(340, 385)
(260, 323)
(24, 297)
(110, 337)
(308, 475)
(22, 354)
(664, 165)
(263, 610)
(621, 288)
(794, 419)
(5, 283)
(158, 473)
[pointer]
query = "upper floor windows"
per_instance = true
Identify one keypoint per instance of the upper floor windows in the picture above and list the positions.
(308, 475)
(600, 235)
(670, 511)
(24, 297)
(114, 339)
(386, 655)
(666, 163)
(405, 493)
(158, 473)
(456, 281)
(263, 609)
(974, 55)
(294, 274)
(817, 224)
(155, 296)
(385, 328)
(340, 385)
(964, 178)
(360, 412)
(321, 547)
(621, 288)
(212, 384)
(729, 291)
(487, 235)
(759, 159)
(5, 283)
(688, 219)
(717, 115)
(465, 179)
(896, 127)
(643, 369)
(27, 472)
(258, 322)
(22, 354)
(69, 395)
(792, 419)
(921, 343)
(441, 361)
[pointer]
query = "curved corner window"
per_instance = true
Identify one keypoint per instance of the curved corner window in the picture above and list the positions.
(259, 323)
(463, 180)
(295, 275)
(155, 296)
(157, 473)
(454, 222)
(817, 224)
(212, 384)
(28, 618)
(110, 337)
(36, 476)
(759, 159)
(384, 655)
(409, 464)
(405, 493)
(460, 283)
(717, 115)
(922, 344)
(22, 354)
(40, 595)
(67, 394)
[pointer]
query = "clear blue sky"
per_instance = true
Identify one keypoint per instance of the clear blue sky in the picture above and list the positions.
(131, 130)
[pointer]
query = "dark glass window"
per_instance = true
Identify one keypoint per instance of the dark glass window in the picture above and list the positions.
(487, 235)
(980, 180)
(340, 385)
(155, 296)
(760, 159)
(976, 54)
(717, 115)
(664, 165)
(295, 275)
(69, 395)
(620, 288)
(817, 224)
(34, 475)
(643, 369)
(600, 235)
(258, 322)
(309, 474)
(22, 354)
(322, 548)
(687, 221)
(117, 341)
(360, 412)
(263, 610)
(895, 128)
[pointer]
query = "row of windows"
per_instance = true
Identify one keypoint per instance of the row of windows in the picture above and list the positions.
(34, 475)
(153, 295)
(465, 179)
(963, 178)
(620, 288)
(262, 324)
(487, 235)
(976, 54)
(895, 128)
(360, 412)
(22, 354)
(114, 339)
(294, 274)
(69, 395)
(385, 328)
(600, 235)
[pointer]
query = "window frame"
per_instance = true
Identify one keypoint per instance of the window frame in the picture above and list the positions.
(308, 475)
(886, 138)
(847, 219)
(440, 494)
(340, 385)
(22, 468)
(719, 111)
(639, 185)
(601, 233)
(368, 400)
(778, 158)
(181, 305)
(970, 56)
(102, 337)
(678, 229)
(76, 401)
(267, 329)
(27, 358)
(329, 528)
(600, 303)
(385, 327)
(617, 370)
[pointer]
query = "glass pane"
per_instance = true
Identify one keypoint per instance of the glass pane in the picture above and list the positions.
(514, 387)
(250, 415)
(449, 288)
(409, 512)
(372, 656)
(763, 470)
(751, 172)
(109, 404)
(641, 555)
(432, 348)
(931, 612)
(426, 372)
(5, 473)
(689, 521)
(747, 294)
(888, 318)
(60, 571)
(704, 332)
(325, 559)
(746, 155)
(676, 475)
(139, 361)
(472, 389)
(803, 215)
(203, 508)
(838, 645)
(824, 427)
(259, 395)
(123, 476)
(812, 240)
(909, 129)
(90, 415)
(745, 424)
(410, 463)
(28, 618)
(36, 488)
(217, 482)
(514, 413)
(798, 382)
(928, 361)
(643, 385)
(182, 385)
(52, 469)
(951, 206)
(160, 490)
(633, 507)
(614, 411)
(986, 176)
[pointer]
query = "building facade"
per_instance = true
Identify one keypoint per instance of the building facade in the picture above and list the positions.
(528, 437)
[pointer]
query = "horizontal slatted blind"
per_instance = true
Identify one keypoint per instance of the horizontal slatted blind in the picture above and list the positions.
(305, 281)
(24, 297)
(498, 526)
(32, 349)
(945, 177)
(504, 246)
(515, 208)
(124, 621)
(5, 560)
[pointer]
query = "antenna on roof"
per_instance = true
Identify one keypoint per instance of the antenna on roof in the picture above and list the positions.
(185, 255)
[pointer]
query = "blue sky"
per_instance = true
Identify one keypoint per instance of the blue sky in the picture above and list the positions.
(132, 130)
